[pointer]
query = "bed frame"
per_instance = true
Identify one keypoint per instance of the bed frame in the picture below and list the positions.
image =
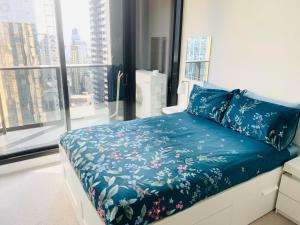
(239, 205)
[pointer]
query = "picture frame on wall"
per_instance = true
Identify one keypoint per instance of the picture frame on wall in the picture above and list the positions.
(198, 58)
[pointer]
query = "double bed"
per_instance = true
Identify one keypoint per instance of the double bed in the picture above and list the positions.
(171, 169)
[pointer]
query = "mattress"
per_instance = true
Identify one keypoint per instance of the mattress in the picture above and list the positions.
(141, 171)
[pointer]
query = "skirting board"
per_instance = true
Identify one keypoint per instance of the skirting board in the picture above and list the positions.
(239, 205)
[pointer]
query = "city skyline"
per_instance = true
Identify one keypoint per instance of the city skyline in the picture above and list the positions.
(77, 18)
(27, 95)
(28, 38)
(41, 13)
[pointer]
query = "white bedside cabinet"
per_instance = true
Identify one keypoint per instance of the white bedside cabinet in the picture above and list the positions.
(172, 109)
(288, 202)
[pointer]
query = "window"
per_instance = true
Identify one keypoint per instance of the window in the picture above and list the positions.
(52, 81)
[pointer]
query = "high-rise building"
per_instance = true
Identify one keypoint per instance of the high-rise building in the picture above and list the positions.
(80, 78)
(20, 90)
(99, 19)
(47, 32)
(48, 55)
(107, 48)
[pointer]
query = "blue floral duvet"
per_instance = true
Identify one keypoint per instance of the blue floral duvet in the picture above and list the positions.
(141, 171)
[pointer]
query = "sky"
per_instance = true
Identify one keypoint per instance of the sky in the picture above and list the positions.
(75, 14)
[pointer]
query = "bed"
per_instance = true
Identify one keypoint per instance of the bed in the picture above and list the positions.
(170, 169)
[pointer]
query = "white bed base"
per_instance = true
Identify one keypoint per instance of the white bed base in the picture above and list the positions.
(239, 205)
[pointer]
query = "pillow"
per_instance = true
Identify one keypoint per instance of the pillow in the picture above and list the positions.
(263, 98)
(274, 124)
(209, 103)
(209, 85)
(251, 94)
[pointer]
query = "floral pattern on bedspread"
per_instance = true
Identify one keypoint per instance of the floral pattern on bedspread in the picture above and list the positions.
(274, 124)
(141, 171)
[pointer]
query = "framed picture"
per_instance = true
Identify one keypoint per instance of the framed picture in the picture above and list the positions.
(198, 58)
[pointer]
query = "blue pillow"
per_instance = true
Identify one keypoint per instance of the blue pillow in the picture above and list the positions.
(209, 103)
(274, 124)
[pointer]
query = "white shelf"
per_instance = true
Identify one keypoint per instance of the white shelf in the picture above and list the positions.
(288, 201)
(293, 167)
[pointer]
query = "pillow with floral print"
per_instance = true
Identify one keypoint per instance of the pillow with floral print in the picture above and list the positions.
(209, 103)
(274, 124)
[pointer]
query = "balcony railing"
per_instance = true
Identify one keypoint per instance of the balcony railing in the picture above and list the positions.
(58, 114)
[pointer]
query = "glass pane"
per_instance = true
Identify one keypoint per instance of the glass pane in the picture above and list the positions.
(196, 70)
(31, 105)
(27, 33)
(197, 58)
(30, 91)
(93, 46)
(154, 32)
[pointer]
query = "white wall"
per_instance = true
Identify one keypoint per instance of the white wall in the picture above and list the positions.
(255, 44)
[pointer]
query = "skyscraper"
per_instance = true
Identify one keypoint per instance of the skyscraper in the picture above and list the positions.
(48, 55)
(107, 49)
(19, 89)
(47, 32)
(99, 17)
(80, 77)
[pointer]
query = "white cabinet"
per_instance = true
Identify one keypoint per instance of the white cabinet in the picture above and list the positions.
(288, 202)
(151, 93)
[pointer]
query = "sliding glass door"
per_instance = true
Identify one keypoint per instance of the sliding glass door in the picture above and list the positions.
(61, 68)
(154, 32)
(69, 64)
(93, 37)
(30, 90)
